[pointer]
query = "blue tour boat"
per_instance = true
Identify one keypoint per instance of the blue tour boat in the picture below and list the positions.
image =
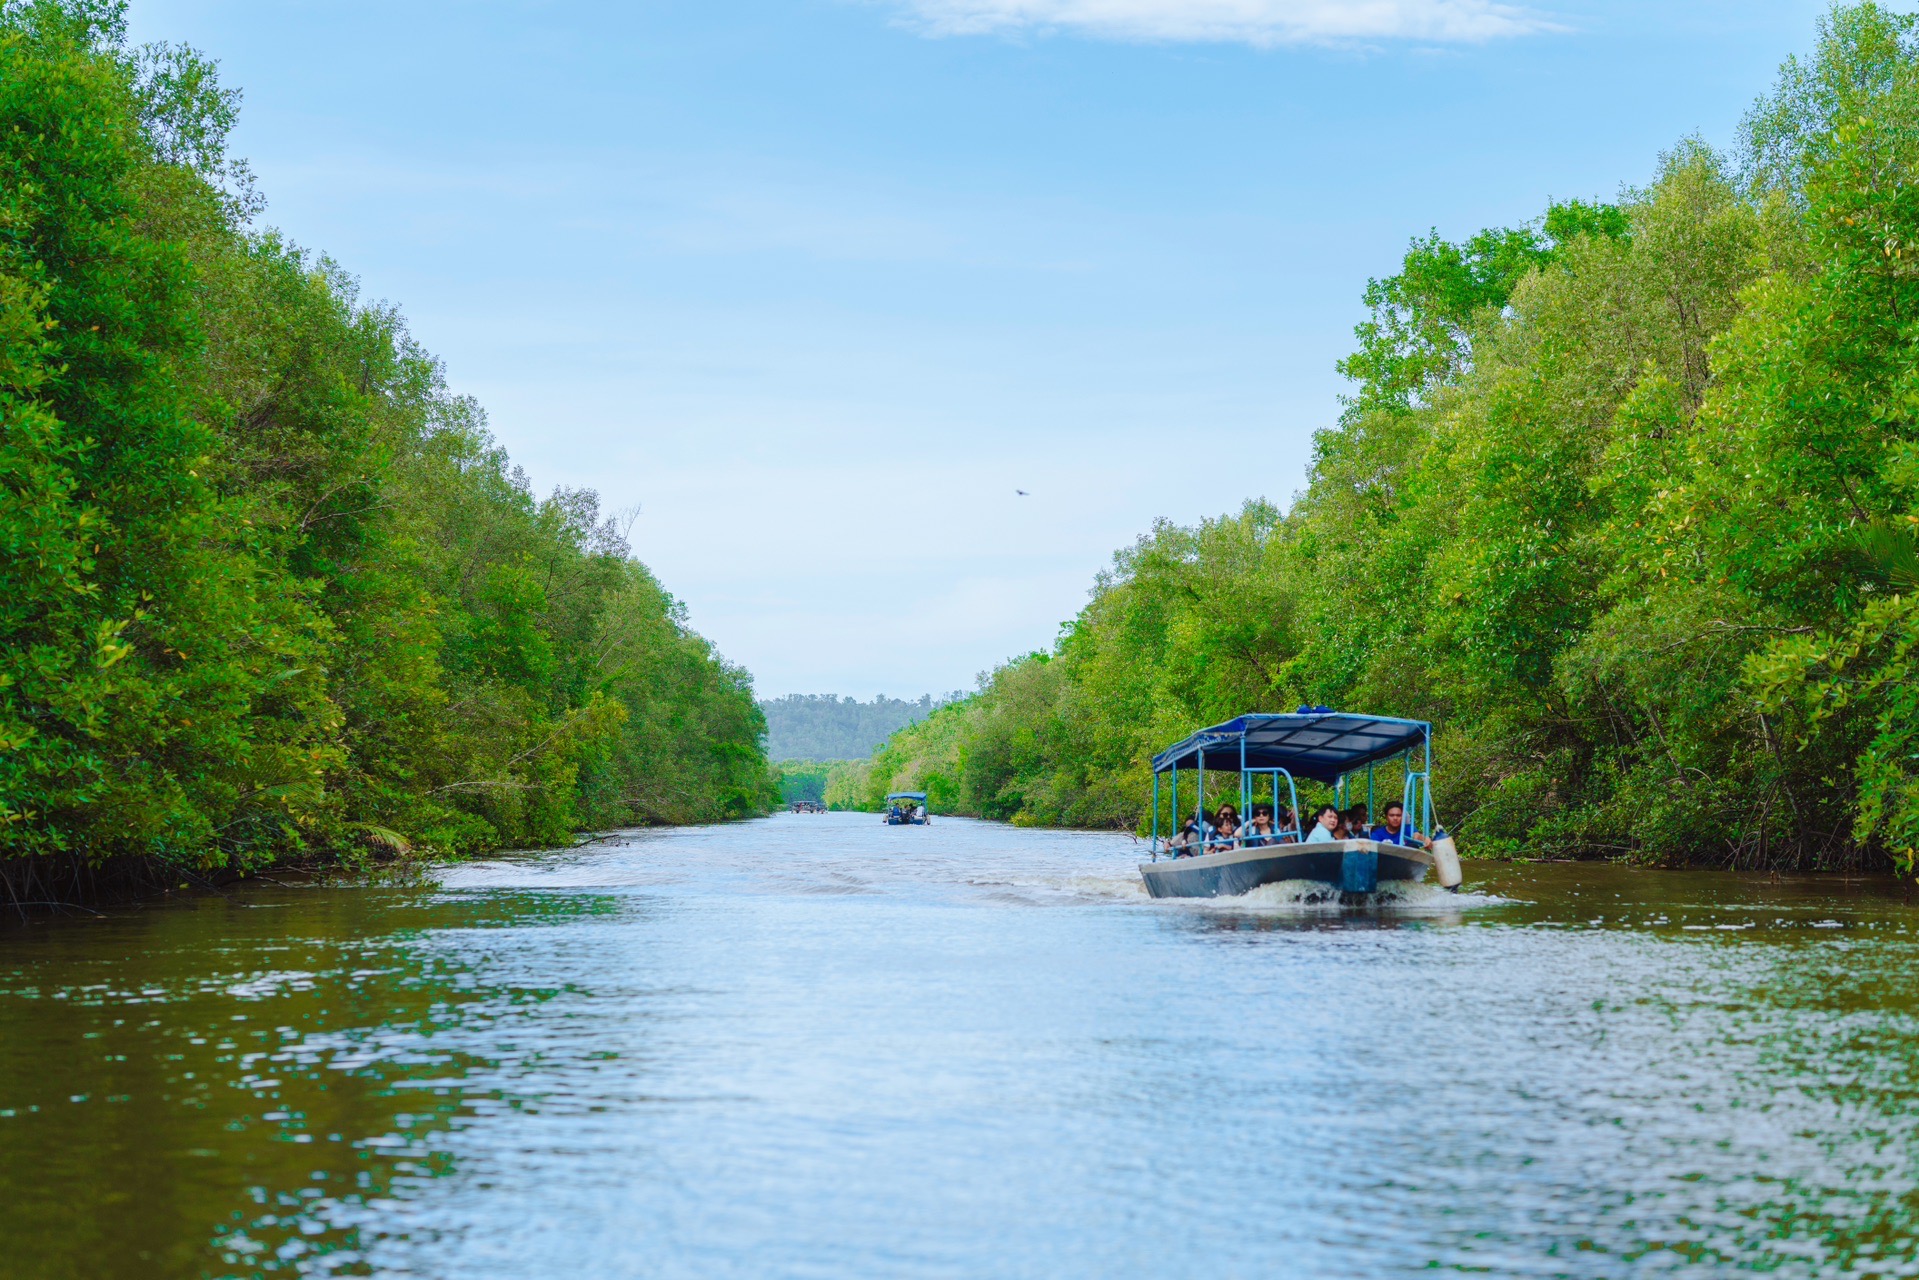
(911, 813)
(1320, 744)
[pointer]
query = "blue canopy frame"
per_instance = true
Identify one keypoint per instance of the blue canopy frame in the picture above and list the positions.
(1316, 745)
(906, 795)
(1313, 742)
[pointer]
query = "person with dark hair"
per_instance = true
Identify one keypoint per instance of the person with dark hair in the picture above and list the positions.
(1259, 830)
(1193, 838)
(1325, 825)
(1226, 825)
(1356, 826)
(1396, 830)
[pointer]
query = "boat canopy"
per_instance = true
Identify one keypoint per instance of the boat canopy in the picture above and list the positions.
(1313, 742)
(906, 795)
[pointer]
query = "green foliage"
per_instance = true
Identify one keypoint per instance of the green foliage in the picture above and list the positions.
(1421, 327)
(803, 780)
(1624, 501)
(266, 586)
(917, 758)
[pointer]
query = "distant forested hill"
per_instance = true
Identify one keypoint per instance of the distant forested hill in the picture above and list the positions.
(823, 726)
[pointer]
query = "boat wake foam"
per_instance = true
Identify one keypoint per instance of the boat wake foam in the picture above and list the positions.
(1317, 895)
(1043, 888)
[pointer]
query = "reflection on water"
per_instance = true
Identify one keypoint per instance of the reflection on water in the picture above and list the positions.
(818, 1046)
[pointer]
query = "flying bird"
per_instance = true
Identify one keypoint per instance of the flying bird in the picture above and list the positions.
(1022, 493)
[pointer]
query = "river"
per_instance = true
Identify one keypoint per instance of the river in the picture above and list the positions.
(817, 1046)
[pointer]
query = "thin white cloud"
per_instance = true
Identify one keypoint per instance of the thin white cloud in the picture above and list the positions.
(1254, 22)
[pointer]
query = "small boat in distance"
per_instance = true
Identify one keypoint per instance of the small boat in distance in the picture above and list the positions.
(905, 809)
(1316, 743)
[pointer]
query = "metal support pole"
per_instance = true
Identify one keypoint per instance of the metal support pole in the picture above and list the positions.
(1427, 830)
(1245, 804)
(1201, 784)
(1156, 816)
(1292, 790)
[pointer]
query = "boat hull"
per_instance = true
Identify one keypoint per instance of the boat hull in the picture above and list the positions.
(1351, 866)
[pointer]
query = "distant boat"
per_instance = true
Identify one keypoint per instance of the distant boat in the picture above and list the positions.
(1315, 743)
(905, 809)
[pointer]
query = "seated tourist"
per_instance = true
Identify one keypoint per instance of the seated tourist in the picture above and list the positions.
(1226, 824)
(1260, 829)
(1352, 823)
(1325, 825)
(1201, 830)
(1395, 829)
(1189, 843)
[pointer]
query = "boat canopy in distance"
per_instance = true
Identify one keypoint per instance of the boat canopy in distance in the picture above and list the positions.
(906, 795)
(1311, 743)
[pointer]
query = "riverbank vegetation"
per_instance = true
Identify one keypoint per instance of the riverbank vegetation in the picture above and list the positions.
(1624, 499)
(268, 589)
(802, 780)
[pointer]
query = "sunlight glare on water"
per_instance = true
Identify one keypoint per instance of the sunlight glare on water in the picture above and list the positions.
(818, 1046)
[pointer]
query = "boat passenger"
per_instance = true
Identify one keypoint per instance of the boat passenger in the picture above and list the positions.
(1226, 826)
(919, 814)
(1259, 830)
(1396, 831)
(1325, 825)
(1188, 843)
(1203, 830)
(1353, 823)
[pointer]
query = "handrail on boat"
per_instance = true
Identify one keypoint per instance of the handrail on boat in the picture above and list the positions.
(1297, 831)
(1416, 798)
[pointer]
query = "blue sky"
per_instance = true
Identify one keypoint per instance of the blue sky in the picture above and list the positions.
(817, 284)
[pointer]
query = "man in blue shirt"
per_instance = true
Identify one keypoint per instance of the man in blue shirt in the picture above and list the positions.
(1395, 831)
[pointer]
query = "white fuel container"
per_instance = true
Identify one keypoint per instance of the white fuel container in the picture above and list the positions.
(1446, 861)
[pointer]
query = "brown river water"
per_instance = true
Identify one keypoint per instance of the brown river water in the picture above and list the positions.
(817, 1046)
